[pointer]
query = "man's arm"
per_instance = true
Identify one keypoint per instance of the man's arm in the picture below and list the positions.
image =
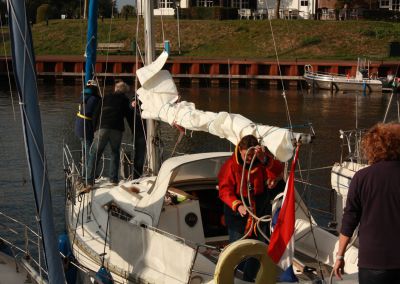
(338, 268)
(227, 187)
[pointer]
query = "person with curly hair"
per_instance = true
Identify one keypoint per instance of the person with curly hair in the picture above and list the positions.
(373, 203)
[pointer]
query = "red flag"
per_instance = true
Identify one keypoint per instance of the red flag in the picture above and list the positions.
(281, 246)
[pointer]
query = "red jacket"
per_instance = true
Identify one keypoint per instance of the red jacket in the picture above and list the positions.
(230, 177)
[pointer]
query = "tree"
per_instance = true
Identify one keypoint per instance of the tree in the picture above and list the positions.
(128, 10)
(31, 7)
(107, 8)
(3, 12)
(277, 8)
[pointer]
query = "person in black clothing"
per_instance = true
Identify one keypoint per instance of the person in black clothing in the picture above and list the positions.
(84, 129)
(139, 139)
(373, 203)
(108, 120)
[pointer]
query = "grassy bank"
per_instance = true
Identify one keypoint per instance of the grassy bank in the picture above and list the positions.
(294, 39)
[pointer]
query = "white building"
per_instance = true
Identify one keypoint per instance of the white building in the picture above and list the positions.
(163, 7)
(288, 8)
(393, 5)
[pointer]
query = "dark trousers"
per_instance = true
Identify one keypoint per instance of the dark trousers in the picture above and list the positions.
(140, 153)
(236, 227)
(251, 265)
(102, 137)
(375, 276)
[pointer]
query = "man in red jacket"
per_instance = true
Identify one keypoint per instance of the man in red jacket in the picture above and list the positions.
(265, 183)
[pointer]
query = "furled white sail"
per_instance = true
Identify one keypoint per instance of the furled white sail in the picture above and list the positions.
(159, 98)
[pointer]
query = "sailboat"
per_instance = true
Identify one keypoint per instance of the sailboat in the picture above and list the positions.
(25, 77)
(351, 161)
(165, 227)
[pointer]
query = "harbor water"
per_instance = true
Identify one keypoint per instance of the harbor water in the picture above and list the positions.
(327, 113)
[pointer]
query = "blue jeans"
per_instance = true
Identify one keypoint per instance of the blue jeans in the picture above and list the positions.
(102, 137)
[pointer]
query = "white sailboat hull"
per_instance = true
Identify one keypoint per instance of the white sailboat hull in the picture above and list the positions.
(341, 175)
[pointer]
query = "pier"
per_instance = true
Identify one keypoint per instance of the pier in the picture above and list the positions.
(196, 71)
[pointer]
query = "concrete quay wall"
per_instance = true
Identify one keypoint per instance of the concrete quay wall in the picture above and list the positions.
(196, 71)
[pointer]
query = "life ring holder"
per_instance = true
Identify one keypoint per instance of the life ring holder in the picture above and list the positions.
(236, 252)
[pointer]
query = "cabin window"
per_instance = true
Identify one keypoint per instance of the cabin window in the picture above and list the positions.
(304, 3)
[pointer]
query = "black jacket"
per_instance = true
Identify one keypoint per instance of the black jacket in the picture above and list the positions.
(374, 202)
(111, 111)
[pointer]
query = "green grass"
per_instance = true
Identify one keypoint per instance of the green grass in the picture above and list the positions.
(294, 39)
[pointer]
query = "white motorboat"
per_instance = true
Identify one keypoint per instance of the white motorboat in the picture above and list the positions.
(342, 82)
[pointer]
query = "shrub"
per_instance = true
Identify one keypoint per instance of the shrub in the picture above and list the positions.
(42, 13)
(368, 32)
(208, 13)
(381, 15)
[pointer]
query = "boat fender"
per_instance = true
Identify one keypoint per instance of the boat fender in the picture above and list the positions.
(236, 252)
(65, 248)
(103, 276)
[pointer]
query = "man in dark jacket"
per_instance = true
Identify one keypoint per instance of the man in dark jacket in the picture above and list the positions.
(84, 129)
(108, 120)
(139, 139)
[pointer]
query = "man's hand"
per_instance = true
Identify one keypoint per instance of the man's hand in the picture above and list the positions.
(271, 183)
(260, 152)
(338, 268)
(242, 211)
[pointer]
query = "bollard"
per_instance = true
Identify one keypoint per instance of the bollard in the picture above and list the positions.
(167, 47)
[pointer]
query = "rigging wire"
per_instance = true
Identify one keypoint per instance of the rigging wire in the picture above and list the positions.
(280, 71)
(229, 94)
(110, 26)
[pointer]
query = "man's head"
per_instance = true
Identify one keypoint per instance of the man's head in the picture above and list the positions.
(245, 143)
(121, 87)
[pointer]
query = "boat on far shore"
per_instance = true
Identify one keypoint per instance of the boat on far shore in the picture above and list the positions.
(344, 82)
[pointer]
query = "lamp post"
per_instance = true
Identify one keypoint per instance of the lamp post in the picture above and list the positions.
(177, 3)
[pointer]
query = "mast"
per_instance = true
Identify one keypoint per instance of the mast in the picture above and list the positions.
(84, 9)
(25, 77)
(153, 158)
(91, 40)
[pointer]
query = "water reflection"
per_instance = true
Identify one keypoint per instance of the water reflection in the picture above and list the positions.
(327, 112)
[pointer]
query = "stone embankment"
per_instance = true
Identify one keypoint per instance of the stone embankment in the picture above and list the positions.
(195, 71)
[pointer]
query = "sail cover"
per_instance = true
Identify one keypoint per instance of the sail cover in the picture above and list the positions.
(159, 98)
